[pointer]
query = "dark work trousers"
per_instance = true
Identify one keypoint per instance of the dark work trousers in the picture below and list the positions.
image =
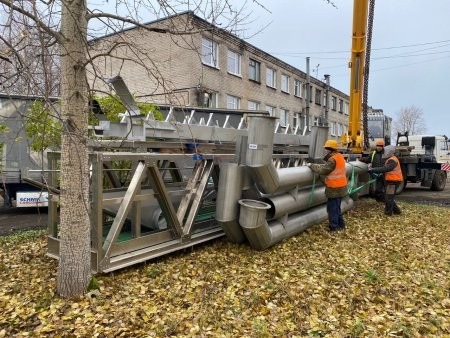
(335, 219)
(379, 188)
(390, 207)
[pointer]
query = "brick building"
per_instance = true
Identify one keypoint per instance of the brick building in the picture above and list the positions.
(206, 66)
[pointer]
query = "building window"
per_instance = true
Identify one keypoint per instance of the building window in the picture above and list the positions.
(271, 77)
(234, 63)
(209, 100)
(296, 120)
(254, 70)
(318, 97)
(233, 102)
(333, 102)
(210, 55)
(298, 86)
(283, 117)
(316, 121)
(271, 110)
(324, 99)
(333, 129)
(253, 105)
(285, 83)
(346, 108)
(341, 106)
(339, 129)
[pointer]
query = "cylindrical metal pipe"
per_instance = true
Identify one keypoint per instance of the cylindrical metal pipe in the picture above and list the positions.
(259, 161)
(261, 235)
(228, 195)
(252, 218)
(260, 140)
(289, 203)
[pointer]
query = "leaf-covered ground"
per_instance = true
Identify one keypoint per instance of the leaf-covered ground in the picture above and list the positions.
(380, 277)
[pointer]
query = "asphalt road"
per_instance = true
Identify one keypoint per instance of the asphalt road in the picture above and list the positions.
(15, 219)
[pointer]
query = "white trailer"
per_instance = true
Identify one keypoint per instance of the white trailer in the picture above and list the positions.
(19, 166)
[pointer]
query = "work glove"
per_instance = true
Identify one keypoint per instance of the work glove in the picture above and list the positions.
(309, 165)
(370, 171)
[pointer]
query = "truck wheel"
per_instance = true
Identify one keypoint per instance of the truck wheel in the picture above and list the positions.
(400, 187)
(439, 180)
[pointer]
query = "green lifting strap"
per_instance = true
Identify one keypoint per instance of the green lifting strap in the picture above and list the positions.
(351, 189)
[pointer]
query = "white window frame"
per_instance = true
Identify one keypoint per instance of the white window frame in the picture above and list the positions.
(298, 88)
(333, 129)
(284, 86)
(210, 52)
(234, 63)
(210, 101)
(346, 108)
(257, 70)
(271, 77)
(333, 102)
(284, 115)
(318, 96)
(271, 109)
(341, 105)
(253, 105)
(233, 102)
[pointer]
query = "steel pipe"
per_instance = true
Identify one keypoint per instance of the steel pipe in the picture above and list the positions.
(228, 195)
(289, 203)
(262, 235)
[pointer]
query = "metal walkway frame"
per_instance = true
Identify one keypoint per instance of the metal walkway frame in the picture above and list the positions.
(149, 188)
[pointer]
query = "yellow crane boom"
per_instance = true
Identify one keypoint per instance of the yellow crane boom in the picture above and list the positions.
(353, 140)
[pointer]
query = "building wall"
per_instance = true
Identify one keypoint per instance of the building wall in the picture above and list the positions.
(168, 69)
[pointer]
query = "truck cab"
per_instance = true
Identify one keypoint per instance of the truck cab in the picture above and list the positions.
(422, 160)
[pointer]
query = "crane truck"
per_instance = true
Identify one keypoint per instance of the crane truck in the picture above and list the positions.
(423, 159)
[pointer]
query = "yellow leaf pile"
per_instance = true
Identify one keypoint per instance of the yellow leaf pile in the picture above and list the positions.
(382, 276)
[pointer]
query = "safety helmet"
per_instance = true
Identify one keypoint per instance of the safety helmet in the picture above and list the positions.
(332, 144)
(379, 143)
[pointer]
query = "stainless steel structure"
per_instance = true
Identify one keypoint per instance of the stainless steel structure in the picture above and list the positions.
(168, 185)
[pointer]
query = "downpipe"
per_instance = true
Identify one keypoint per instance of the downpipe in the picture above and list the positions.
(228, 195)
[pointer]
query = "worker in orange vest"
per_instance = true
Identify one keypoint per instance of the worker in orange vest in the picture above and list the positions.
(335, 183)
(376, 160)
(393, 177)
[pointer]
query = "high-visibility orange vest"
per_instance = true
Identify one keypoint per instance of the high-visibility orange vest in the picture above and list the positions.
(337, 178)
(396, 174)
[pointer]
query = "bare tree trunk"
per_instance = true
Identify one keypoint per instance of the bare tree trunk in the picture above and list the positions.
(74, 270)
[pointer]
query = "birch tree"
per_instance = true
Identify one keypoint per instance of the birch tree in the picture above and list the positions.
(65, 23)
(410, 119)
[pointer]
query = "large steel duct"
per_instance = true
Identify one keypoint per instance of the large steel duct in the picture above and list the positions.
(295, 196)
(261, 234)
(289, 203)
(259, 161)
(228, 195)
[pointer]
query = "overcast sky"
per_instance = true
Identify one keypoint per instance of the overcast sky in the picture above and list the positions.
(410, 62)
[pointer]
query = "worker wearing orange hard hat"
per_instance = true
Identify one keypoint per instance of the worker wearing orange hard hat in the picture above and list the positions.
(376, 160)
(335, 183)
